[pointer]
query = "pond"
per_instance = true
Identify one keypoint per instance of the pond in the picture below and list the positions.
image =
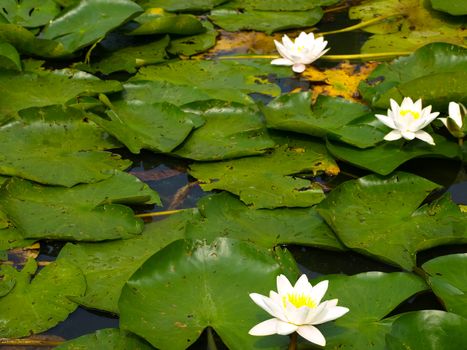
(157, 169)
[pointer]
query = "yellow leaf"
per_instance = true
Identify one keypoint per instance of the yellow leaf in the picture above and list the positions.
(341, 80)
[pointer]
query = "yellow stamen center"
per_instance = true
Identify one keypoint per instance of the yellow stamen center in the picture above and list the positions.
(300, 48)
(298, 300)
(414, 115)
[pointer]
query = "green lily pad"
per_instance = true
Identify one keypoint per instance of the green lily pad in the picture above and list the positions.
(106, 339)
(90, 212)
(370, 297)
(448, 279)
(25, 41)
(164, 91)
(278, 5)
(231, 131)
(193, 44)
(223, 80)
(11, 237)
(9, 57)
(39, 87)
(413, 25)
(29, 13)
(37, 305)
(427, 329)
(159, 127)
(455, 8)
(389, 155)
(382, 217)
(224, 215)
(271, 180)
(59, 146)
(108, 265)
(435, 73)
(88, 21)
(183, 5)
(189, 286)
(333, 117)
(265, 21)
(157, 21)
(130, 58)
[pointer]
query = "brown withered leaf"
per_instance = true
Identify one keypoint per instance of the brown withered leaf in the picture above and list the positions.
(341, 80)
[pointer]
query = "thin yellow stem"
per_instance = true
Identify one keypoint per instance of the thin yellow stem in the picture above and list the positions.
(159, 213)
(29, 342)
(325, 57)
(335, 9)
(460, 141)
(359, 25)
(367, 56)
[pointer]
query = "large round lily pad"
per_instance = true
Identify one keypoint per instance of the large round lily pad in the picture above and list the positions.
(36, 87)
(447, 276)
(223, 80)
(33, 306)
(88, 212)
(189, 286)
(387, 156)
(382, 217)
(88, 21)
(222, 215)
(264, 21)
(427, 330)
(435, 73)
(270, 181)
(412, 25)
(106, 339)
(159, 127)
(57, 146)
(29, 13)
(230, 131)
(370, 297)
(108, 265)
(456, 8)
(329, 116)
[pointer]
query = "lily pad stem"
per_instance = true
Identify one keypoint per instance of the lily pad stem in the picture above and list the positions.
(359, 25)
(159, 213)
(460, 141)
(293, 341)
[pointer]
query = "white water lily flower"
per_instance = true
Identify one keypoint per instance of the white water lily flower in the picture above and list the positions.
(296, 309)
(305, 50)
(454, 121)
(408, 120)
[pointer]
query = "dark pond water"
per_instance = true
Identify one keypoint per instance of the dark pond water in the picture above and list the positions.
(168, 176)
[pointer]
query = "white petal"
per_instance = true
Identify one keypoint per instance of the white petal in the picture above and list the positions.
(418, 105)
(267, 305)
(425, 119)
(282, 50)
(393, 135)
(284, 328)
(283, 285)
(407, 103)
(424, 136)
(455, 113)
(444, 121)
(302, 285)
(386, 120)
(330, 314)
(298, 67)
(267, 327)
(312, 334)
(288, 44)
(394, 106)
(408, 135)
(318, 291)
(296, 315)
(282, 62)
